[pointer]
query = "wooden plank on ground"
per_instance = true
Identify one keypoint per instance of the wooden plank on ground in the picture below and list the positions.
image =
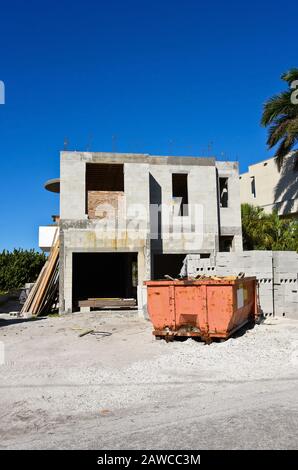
(103, 303)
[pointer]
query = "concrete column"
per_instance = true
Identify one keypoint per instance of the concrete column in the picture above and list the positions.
(144, 274)
(72, 186)
(68, 281)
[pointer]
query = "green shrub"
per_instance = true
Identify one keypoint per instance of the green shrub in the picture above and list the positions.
(263, 231)
(19, 266)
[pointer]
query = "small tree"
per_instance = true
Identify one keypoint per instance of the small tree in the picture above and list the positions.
(263, 231)
(18, 267)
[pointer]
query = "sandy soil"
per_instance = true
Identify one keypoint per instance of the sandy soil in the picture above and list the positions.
(127, 390)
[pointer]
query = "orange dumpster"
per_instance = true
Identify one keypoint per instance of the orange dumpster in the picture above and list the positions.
(207, 308)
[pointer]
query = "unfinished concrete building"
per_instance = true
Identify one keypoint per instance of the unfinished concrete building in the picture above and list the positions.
(127, 218)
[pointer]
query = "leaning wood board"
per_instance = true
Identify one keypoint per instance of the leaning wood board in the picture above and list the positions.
(46, 284)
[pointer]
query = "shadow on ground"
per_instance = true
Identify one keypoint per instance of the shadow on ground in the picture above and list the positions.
(11, 305)
(237, 334)
(14, 320)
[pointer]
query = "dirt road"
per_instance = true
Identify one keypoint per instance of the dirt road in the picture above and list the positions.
(121, 389)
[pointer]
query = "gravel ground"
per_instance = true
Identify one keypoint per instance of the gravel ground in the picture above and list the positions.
(127, 390)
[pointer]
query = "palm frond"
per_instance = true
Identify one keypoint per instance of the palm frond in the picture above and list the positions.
(277, 131)
(284, 148)
(278, 106)
(280, 115)
(290, 75)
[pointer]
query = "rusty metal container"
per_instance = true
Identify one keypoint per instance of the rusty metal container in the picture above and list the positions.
(207, 308)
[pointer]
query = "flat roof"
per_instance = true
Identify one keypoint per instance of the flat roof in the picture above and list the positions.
(53, 185)
(111, 157)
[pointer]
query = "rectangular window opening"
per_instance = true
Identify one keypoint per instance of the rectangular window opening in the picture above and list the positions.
(180, 192)
(104, 185)
(253, 186)
(104, 177)
(223, 192)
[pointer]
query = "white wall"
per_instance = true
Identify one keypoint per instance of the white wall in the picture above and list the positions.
(46, 237)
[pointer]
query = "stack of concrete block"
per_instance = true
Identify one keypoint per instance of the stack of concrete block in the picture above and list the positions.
(252, 263)
(196, 266)
(285, 283)
(265, 291)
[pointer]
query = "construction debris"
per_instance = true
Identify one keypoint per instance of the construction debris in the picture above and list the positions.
(101, 334)
(201, 277)
(85, 332)
(44, 294)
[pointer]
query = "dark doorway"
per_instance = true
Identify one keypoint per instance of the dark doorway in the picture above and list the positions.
(169, 264)
(108, 275)
(226, 243)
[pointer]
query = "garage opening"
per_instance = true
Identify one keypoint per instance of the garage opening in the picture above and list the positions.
(106, 276)
(167, 264)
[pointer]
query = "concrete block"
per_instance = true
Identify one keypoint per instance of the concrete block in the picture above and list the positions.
(85, 309)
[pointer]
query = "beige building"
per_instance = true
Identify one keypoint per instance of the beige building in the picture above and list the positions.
(263, 185)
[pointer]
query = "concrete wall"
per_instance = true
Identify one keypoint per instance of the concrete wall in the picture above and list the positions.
(285, 267)
(81, 235)
(275, 271)
(273, 190)
(131, 230)
(230, 217)
(72, 185)
(199, 230)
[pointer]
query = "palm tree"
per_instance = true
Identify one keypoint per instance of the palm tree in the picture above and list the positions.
(280, 115)
(263, 231)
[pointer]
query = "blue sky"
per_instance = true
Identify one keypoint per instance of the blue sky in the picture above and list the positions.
(161, 76)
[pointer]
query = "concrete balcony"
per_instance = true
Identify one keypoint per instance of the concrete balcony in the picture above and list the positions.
(53, 185)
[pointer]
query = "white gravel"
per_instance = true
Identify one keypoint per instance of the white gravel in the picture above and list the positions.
(62, 391)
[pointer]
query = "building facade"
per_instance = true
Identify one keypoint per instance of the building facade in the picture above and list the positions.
(263, 185)
(127, 218)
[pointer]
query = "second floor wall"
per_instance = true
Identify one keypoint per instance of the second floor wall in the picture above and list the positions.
(159, 195)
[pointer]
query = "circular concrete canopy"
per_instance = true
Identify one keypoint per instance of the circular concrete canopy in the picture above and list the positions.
(53, 185)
